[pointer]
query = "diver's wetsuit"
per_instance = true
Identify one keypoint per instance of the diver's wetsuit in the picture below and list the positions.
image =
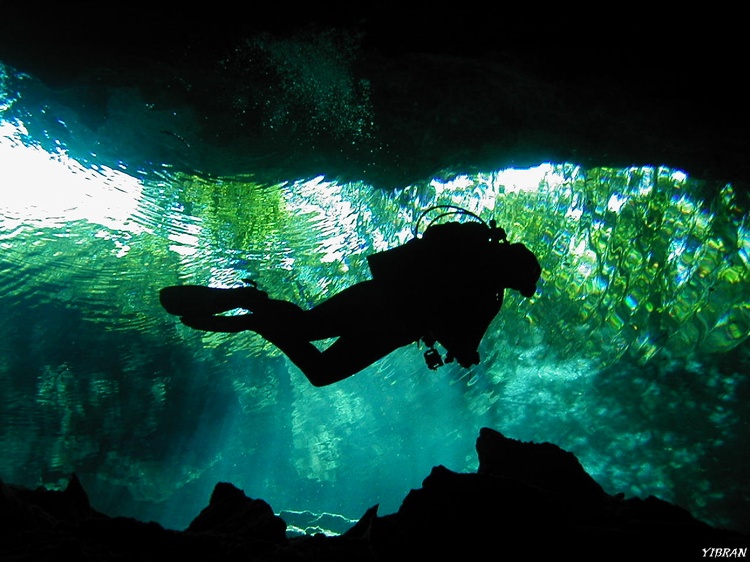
(446, 286)
(448, 281)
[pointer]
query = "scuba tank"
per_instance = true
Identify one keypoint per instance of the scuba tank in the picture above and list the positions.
(422, 254)
(496, 234)
(415, 268)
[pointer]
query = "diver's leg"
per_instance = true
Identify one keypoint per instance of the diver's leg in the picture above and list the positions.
(354, 309)
(272, 316)
(195, 300)
(345, 357)
(292, 330)
(369, 323)
(359, 308)
(368, 327)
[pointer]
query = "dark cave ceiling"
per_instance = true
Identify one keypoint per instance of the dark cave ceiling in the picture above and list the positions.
(451, 89)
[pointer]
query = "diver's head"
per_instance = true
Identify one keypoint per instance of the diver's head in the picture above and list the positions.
(521, 269)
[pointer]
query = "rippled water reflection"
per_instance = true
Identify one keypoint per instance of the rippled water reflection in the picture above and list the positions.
(632, 355)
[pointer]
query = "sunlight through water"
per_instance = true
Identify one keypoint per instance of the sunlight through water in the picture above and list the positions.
(632, 355)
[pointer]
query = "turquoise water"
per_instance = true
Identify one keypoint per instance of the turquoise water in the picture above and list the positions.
(633, 355)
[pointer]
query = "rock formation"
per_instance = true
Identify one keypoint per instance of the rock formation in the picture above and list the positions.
(526, 499)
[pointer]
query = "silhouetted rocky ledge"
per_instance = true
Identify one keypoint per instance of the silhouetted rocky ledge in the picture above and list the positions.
(526, 500)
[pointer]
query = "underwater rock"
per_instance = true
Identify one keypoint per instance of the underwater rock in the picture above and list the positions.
(525, 499)
(24, 509)
(535, 498)
(231, 513)
(532, 463)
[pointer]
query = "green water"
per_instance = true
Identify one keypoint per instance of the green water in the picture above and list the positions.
(633, 354)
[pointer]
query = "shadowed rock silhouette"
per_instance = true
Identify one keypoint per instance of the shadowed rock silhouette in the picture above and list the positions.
(526, 500)
(443, 287)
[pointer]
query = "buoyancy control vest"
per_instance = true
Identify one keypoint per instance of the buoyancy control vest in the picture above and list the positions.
(452, 271)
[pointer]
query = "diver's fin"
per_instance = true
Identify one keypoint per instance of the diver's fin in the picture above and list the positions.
(230, 324)
(195, 300)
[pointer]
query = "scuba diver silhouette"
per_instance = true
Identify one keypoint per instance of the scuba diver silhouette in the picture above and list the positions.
(443, 287)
